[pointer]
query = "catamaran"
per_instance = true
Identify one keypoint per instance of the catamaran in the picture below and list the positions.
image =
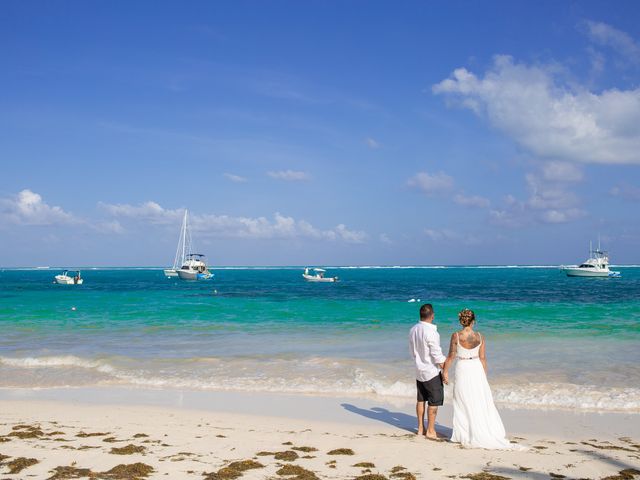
(187, 265)
(597, 265)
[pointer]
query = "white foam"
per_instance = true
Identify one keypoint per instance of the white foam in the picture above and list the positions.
(56, 362)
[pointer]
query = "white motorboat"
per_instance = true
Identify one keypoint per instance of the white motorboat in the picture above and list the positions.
(187, 265)
(65, 279)
(597, 265)
(194, 267)
(318, 276)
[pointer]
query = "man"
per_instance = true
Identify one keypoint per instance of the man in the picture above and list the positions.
(424, 345)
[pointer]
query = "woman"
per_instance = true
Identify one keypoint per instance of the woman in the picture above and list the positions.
(476, 422)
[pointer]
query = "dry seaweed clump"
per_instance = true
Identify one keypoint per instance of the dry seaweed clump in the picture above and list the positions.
(133, 471)
(26, 431)
(626, 474)
(364, 465)
(341, 451)
(20, 463)
(296, 472)
(287, 456)
(3, 457)
(92, 434)
(485, 476)
(403, 475)
(371, 476)
(305, 449)
(233, 470)
(128, 450)
(64, 473)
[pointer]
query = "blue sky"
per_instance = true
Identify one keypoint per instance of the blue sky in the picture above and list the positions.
(319, 132)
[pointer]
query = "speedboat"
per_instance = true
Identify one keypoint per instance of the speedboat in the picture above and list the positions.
(194, 268)
(65, 279)
(318, 276)
(597, 265)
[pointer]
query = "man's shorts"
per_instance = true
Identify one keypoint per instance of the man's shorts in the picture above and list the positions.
(431, 391)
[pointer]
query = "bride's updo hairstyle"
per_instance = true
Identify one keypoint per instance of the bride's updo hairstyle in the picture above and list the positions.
(466, 317)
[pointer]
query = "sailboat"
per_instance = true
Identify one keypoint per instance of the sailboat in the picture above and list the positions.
(180, 249)
(188, 265)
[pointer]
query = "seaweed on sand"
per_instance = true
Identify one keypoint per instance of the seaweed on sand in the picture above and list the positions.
(92, 434)
(287, 456)
(63, 473)
(403, 475)
(341, 451)
(485, 476)
(371, 476)
(305, 449)
(128, 450)
(364, 465)
(132, 471)
(233, 470)
(20, 463)
(297, 472)
(26, 431)
(626, 474)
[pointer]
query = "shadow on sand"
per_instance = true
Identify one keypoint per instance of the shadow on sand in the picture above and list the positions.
(399, 420)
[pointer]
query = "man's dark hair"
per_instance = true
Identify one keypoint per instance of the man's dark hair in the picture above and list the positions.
(426, 311)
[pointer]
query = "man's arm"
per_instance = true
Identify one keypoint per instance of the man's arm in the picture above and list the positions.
(433, 342)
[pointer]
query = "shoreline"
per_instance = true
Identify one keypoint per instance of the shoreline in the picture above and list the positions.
(186, 434)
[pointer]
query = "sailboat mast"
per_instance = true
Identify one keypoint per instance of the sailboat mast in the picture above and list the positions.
(184, 234)
(179, 247)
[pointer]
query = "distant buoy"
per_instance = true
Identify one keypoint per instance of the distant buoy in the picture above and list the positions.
(73, 309)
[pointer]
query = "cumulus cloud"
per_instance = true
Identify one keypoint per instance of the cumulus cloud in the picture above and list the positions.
(384, 238)
(562, 172)
(626, 191)
(289, 175)
(28, 208)
(235, 178)
(548, 202)
(148, 211)
(551, 119)
(471, 200)
(431, 183)
(605, 35)
(372, 143)
(279, 227)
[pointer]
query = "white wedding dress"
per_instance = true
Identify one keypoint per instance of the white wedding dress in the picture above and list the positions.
(476, 421)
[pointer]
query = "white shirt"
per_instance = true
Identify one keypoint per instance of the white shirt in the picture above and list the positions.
(424, 346)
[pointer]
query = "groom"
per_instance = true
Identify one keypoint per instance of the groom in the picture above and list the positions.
(424, 345)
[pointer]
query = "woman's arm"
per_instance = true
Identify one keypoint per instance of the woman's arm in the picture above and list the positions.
(453, 347)
(482, 353)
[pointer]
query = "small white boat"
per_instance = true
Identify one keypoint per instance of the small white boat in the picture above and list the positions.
(194, 268)
(180, 249)
(318, 276)
(65, 279)
(597, 265)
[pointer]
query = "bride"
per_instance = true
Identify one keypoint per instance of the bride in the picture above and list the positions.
(476, 422)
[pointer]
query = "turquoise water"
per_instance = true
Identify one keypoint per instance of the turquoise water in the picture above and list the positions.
(552, 340)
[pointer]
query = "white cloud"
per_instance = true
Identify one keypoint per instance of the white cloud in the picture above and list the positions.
(372, 143)
(448, 235)
(235, 178)
(211, 225)
(431, 183)
(147, 211)
(471, 201)
(551, 119)
(28, 208)
(562, 172)
(606, 35)
(113, 226)
(384, 238)
(626, 191)
(289, 175)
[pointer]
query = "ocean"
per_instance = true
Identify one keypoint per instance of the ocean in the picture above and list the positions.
(552, 341)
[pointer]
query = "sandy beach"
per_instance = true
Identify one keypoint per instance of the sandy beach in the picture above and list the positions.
(120, 433)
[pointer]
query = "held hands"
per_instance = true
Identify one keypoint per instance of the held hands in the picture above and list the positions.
(445, 378)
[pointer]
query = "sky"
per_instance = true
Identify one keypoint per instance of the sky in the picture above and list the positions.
(319, 132)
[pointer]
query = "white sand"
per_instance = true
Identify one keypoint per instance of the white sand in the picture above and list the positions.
(193, 433)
